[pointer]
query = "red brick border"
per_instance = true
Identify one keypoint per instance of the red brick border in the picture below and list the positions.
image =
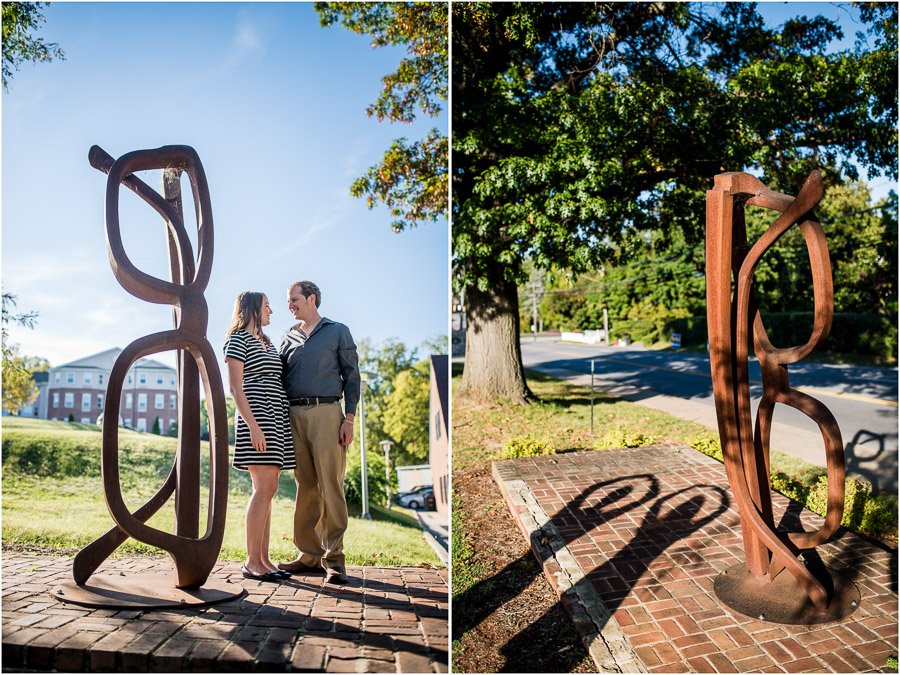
(387, 619)
(632, 540)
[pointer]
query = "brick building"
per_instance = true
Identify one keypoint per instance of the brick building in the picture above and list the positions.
(78, 388)
(439, 442)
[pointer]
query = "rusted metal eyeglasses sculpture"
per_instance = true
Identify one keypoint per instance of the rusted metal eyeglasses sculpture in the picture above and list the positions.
(194, 556)
(763, 589)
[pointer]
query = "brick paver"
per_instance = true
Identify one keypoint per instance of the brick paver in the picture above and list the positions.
(634, 538)
(387, 619)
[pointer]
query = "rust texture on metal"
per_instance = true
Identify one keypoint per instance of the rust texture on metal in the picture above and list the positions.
(193, 555)
(733, 321)
(144, 591)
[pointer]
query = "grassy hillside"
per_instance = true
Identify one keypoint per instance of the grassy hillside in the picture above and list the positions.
(53, 496)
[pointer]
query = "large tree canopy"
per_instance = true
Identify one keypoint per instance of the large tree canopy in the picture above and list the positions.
(577, 126)
(20, 20)
(411, 179)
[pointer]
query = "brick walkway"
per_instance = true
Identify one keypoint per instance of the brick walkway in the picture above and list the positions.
(387, 619)
(632, 541)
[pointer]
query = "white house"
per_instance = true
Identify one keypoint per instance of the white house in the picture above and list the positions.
(78, 389)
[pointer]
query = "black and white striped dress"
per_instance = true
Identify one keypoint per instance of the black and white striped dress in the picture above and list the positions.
(268, 403)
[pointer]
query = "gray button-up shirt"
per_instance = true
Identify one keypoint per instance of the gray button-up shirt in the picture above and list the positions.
(323, 363)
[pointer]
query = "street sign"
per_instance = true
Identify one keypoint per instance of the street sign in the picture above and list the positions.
(676, 340)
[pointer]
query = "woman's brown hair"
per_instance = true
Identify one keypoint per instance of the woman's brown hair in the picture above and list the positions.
(247, 308)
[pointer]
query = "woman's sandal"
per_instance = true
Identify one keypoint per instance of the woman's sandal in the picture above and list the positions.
(268, 576)
(284, 574)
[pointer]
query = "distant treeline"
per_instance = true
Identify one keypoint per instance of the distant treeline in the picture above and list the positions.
(663, 289)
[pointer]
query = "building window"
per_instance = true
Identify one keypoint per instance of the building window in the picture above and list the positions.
(85, 420)
(159, 401)
(54, 419)
(437, 425)
(160, 379)
(173, 380)
(69, 400)
(142, 402)
(128, 381)
(128, 401)
(142, 378)
(172, 401)
(56, 375)
(85, 402)
(100, 378)
(55, 399)
(142, 424)
(129, 423)
(99, 401)
(70, 378)
(87, 378)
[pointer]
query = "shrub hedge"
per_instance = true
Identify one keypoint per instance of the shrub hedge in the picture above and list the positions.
(863, 334)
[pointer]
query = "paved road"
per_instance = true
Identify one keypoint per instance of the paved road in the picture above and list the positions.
(862, 399)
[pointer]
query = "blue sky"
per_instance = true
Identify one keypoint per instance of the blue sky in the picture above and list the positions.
(274, 104)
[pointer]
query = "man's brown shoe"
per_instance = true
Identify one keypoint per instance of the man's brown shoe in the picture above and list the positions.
(336, 575)
(299, 567)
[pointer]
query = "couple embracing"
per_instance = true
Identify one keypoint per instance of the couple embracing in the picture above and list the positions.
(289, 416)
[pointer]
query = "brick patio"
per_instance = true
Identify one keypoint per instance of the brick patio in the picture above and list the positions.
(387, 619)
(632, 540)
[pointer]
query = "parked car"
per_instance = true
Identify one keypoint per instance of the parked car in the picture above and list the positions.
(415, 498)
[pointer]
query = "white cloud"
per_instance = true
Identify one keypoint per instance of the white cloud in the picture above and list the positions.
(340, 207)
(245, 44)
(37, 270)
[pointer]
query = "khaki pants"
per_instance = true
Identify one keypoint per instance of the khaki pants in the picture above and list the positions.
(320, 512)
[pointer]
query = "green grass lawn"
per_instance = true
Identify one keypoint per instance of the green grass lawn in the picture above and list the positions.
(53, 497)
(561, 422)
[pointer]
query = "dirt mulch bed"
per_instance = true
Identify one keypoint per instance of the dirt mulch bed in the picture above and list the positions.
(510, 620)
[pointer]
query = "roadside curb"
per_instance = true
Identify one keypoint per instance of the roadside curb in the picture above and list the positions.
(601, 634)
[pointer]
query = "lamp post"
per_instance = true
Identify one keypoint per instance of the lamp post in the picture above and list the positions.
(364, 474)
(386, 446)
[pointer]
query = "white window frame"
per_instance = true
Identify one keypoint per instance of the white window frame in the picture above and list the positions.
(173, 401)
(160, 379)
(142, 378)
(55, 399)
(99, 401)
(70, 378)
(142, 424)
(129, 401)
(142, 402)
(85, 402)
(159, 401)
(88, 377)
(69, 400)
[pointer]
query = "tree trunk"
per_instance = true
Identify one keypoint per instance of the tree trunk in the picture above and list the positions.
(493, 369)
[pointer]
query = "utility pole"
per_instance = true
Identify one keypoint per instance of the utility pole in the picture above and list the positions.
(605, 327)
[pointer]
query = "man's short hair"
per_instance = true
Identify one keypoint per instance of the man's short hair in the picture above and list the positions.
(307, 288)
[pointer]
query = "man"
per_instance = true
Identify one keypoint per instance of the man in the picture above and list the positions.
(320, 367)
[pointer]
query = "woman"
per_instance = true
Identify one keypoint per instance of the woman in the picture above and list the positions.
(262, 443)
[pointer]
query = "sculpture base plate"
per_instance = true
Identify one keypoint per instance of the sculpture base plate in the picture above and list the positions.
(783, 600)
(144, 591)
